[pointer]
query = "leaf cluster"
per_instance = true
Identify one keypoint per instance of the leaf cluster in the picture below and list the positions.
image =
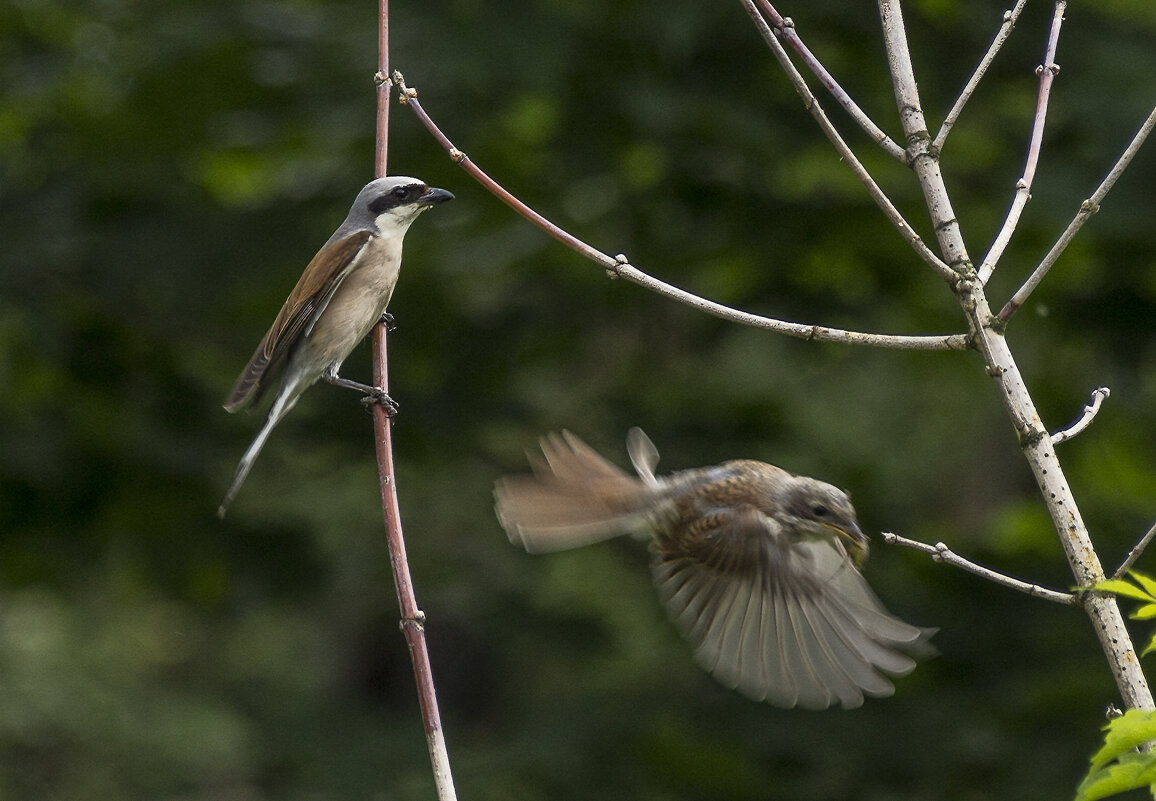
(1125, 761)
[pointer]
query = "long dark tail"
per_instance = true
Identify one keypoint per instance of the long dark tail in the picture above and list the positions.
(279, 409)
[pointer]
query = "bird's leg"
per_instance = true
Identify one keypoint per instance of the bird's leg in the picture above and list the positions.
(372, 394)
(388, 319)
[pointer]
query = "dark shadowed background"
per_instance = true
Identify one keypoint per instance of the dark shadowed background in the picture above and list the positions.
(166, 171)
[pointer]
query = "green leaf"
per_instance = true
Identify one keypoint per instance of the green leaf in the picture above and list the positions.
(1132, 729)
(1147, 582)
(1145, 612)
(1133, 770)
(1150, 647)
(1118, 766)
(1121, 587)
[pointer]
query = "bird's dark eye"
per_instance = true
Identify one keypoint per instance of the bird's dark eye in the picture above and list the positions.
(394, 198)
(819, 510)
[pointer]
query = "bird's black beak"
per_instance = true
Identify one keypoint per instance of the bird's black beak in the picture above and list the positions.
(433, 196)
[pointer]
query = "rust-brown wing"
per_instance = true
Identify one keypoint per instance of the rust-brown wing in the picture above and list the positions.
(314, 289)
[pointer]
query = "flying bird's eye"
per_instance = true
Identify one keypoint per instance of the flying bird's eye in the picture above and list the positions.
(819, 510)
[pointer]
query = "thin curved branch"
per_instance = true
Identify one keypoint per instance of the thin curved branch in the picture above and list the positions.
(1009, 20)
(1047, 72)
(816, 333)
(785, 27)
(941, 553)
(620, 267)
(1087, 209)
(1134, 554)
(1090, 411)
(844, 151)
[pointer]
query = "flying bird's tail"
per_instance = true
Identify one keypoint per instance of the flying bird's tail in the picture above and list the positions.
(279, 409)
(575, 497)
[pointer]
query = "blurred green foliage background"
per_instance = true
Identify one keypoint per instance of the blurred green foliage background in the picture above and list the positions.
(166, 171)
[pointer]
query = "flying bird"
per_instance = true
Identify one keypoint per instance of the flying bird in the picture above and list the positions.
(757, 567)
(341, 295)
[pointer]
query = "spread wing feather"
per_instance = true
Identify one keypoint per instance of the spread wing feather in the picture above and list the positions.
(797, 625)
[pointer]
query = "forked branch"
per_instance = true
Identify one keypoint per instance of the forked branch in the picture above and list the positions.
(812, 104)
(1035, 442)
(785, 27)
(1087, 209)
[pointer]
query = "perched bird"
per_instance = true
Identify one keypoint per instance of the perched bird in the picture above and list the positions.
(338, 299)
(757, 567)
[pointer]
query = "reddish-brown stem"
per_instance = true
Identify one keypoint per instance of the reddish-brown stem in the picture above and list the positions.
(412, 618)
(381, 80)
(408, 97)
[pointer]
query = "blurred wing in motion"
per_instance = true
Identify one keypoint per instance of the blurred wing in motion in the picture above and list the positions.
(575, 497)
(792, 623)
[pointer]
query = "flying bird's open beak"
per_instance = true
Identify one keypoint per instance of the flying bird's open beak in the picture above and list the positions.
(433, 196)
(856, 541)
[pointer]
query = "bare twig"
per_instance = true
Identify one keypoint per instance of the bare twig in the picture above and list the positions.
(798, 330)
(1085, 420)
(1104, 612)
(412, 618)
(1047, 72)
(1134, 554)
(785, 27)
(620, 267)
(941, 553)
(1005, 29)
(1087, 209)
(841, 147)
